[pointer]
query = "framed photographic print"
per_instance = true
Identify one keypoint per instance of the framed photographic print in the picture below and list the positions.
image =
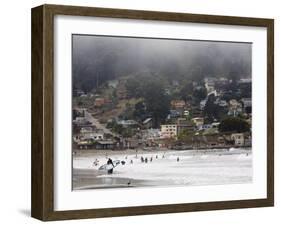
(141, 112)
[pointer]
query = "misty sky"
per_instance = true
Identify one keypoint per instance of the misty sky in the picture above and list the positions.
(119, 56)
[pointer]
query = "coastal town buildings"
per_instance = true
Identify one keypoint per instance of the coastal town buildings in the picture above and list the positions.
(103, 124)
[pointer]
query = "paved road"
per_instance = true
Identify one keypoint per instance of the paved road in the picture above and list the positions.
(98, 125)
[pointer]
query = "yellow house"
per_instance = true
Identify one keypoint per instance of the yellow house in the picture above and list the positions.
(169, 131)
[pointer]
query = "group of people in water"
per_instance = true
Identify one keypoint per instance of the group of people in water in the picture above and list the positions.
(123, 162)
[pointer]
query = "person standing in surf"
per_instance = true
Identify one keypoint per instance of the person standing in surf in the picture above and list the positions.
(110, 162)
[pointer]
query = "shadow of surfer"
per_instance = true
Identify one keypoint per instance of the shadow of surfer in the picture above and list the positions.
(110, 162)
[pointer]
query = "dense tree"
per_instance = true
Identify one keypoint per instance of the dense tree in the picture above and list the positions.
(128, 112)
(200, 93)
(246, 90)
(140, 111)
(157, 101)
(234, 124)
(186, 91)
(133, 87)
(248, 109)
(213, 111)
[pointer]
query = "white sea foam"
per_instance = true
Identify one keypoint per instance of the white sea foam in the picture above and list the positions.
(181, 167)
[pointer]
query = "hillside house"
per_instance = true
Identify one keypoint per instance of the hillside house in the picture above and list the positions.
(214, 141)
(174, 114)
(177, 104)
(127, 123)
(203, 104)
(197, 112)
(199, 121)
(87, 129)
(184, 125)
(247, 102)
(132, 143)
(247, 139)
(168, 131)
(113, 83)
(105, 145)
(99, 102)
(204, 126)
(245, 80)
(147, 123)
(234, 108)
(92, 136)
(221, 103)
(81, 121)
(209, 85)
(238, 139)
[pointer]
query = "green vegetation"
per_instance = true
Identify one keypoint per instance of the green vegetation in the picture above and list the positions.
(213, 111)
(185, 135)
(200, 93)
(186, 91)
(156, 103)
(119, 129)
(234, 124)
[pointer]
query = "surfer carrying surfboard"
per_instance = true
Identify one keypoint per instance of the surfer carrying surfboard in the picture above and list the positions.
(110, 162)
(110, 165)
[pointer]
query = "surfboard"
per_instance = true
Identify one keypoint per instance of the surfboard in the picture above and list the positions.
(116, 162)
(106, 167)
(110, 166)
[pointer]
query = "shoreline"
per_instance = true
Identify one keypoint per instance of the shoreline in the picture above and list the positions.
(85, 152)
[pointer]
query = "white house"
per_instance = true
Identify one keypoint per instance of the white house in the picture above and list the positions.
(247, 102)
(80, 121)
(214, 92)
(203, 104)
(113, 83)
(93, 136)
(127, 123)
(215, 125)
(86, 129)
(151, 134)
(186, 113)
(147, 123)
(234, 107)
(209, 84)
(221, 103)
(198, 121)
(245, 80)
(205, 126)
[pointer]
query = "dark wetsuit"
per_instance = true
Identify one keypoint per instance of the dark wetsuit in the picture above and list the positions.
(109, 161)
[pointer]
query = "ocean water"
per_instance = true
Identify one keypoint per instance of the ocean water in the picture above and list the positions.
(167, 168)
